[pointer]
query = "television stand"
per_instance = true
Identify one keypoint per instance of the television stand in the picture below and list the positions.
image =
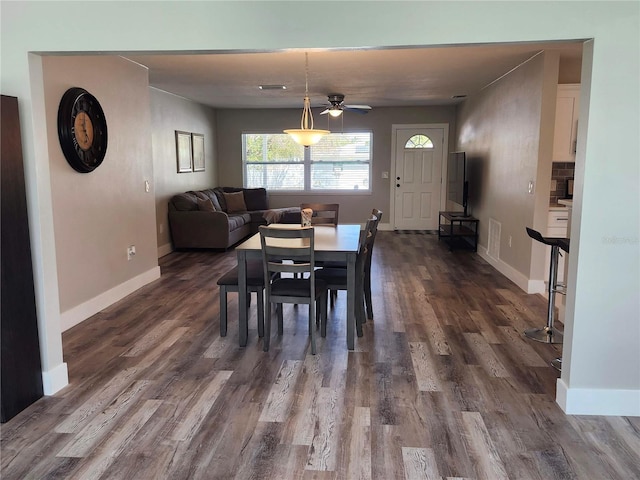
(458, 230)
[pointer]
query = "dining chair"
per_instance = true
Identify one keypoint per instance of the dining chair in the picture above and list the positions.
(323, 213)
(367, 267)
(336, 277)
(291, 251)
(255, 283)
(367, 273)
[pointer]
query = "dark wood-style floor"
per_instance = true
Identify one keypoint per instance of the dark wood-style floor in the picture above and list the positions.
(441, 385)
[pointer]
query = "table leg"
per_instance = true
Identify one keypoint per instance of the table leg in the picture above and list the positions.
(243, 321)
(351, 300)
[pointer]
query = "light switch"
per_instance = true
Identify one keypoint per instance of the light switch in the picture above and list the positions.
(146, 186)
(385, 174)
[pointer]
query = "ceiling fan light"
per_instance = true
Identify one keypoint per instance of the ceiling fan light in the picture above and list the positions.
(335, 112)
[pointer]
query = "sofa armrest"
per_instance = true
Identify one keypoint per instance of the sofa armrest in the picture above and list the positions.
(199, 229)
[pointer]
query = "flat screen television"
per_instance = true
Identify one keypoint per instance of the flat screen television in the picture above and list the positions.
(457, 182)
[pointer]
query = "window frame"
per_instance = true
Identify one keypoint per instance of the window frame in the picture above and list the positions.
(306, 162)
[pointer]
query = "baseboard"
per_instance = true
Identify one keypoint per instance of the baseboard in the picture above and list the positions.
(55, 379)
(78, 314)
(597, 401)
(165, 249)
(529, 286)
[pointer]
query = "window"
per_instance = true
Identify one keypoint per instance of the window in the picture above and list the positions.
(340, 161)
(419, 141)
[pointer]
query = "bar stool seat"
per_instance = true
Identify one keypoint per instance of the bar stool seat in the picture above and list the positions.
(548, 333)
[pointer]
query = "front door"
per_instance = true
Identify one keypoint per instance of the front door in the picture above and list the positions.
(417, 177)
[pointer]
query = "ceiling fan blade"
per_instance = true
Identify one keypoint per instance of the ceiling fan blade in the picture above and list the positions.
(324, 112)
(361, 109)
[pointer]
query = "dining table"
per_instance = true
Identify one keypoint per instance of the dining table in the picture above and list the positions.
(337, 243)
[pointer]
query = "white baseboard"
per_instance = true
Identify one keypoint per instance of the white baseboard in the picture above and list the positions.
(55, 379)
(78, 314)
(529, 286)
(165, 249)
(597, 401)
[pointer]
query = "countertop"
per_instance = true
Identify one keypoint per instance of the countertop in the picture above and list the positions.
(567, 202)
(557, 206)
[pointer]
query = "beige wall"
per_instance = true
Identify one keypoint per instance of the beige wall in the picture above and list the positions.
(98, 215)
(168, 114)
(500, 131)
(353, 207)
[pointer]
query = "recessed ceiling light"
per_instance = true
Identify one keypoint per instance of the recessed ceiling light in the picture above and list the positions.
(272, 87)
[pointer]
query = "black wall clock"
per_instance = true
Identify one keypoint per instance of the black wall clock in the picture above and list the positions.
(82, 130)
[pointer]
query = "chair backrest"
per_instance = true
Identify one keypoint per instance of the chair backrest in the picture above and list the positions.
(323, 213)
(365, 246)
(280, 244)
(378, 216)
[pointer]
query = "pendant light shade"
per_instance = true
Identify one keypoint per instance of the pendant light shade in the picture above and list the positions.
(306, 135)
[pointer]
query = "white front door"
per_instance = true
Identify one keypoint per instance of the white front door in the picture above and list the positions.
(417, 177)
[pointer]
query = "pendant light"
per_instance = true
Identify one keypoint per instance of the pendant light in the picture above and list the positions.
(306, 135)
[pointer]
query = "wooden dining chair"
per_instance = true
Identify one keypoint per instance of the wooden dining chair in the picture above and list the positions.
(367, 273)
(255, 283)
(323, 213)
(291, 251)
(336, 278)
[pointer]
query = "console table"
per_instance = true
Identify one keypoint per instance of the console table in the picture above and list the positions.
(458, 230)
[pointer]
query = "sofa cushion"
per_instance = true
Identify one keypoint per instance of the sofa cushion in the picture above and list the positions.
(237, 221)
(184, 202)
(219, 193)
(235, 202)
(213, 197)
(256, 199)
(206, 205)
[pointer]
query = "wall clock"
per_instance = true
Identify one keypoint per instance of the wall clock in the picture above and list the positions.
(82, 130)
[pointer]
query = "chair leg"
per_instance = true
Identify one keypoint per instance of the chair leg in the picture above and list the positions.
(260, 294)
(223, 311)
(323, 315)
(312, 330)
(267, 327)
(280, 319)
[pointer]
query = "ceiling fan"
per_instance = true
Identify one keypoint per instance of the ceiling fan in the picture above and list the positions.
(336, 106)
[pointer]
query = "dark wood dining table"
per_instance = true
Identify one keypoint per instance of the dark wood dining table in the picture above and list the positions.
(332, 243)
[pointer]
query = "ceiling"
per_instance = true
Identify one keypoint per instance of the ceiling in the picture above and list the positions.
(377, 77)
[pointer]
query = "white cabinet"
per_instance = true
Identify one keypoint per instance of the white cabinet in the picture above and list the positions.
(557, 223)
(566, 124)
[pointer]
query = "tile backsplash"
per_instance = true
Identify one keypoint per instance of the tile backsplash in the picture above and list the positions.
(561, 172)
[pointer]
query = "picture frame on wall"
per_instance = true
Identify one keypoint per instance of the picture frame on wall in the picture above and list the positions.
(183, 151)
(197, 143)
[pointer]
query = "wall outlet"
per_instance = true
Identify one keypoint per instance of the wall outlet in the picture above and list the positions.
(554, 185)
(146, 186)
(131, 252)
(530, 188)
(385, 174)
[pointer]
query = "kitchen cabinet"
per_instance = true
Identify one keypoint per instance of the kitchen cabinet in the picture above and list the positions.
(557, 227)
(566, 123)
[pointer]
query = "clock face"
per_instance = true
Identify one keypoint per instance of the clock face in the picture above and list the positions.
(82, 130)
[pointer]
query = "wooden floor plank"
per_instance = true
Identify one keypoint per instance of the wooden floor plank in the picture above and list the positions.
(442, 384)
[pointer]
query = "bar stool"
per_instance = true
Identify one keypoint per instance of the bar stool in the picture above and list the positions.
(548, 333)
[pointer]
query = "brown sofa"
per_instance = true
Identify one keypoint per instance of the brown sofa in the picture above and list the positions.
(223, 216)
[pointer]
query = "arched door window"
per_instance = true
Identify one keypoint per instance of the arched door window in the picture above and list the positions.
(419, 141)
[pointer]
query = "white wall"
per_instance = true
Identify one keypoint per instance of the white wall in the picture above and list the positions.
(602, 344)
(354, 207)
(168, 114)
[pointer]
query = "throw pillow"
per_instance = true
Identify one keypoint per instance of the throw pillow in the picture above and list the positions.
(256, 199)
(206, 205)
(235, 202)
